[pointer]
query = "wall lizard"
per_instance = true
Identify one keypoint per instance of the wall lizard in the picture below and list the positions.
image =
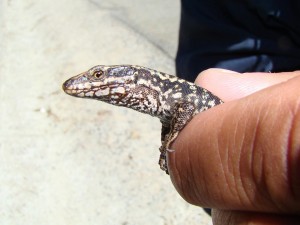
(173, 100)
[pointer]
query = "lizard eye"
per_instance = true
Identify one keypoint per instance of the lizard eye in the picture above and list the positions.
(98, 74)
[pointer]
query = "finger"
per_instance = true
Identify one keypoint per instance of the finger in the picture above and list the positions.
(231, 85)
(221, 217)
(243, 155)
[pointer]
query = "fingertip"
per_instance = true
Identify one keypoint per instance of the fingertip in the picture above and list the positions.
(220, 82)
(230, 85)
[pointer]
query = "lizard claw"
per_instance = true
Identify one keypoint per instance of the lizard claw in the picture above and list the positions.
(163, 163)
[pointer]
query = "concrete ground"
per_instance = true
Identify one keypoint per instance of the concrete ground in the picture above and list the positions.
(72, 161)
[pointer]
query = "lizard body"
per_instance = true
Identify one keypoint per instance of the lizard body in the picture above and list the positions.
(173, 100)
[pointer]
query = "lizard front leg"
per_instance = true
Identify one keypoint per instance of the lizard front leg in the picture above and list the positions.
(183, 112)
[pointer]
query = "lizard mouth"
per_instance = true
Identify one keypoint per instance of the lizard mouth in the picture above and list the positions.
(78, 82)
(66, 86)
(91, 89)
(70, 88)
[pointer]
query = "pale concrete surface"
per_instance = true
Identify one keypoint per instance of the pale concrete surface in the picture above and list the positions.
(71, 161)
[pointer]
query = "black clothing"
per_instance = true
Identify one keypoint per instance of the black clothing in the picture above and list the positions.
(244, 36)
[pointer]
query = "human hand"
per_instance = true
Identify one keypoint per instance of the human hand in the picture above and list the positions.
(242, 158)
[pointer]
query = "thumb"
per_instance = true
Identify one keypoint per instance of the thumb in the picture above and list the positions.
(244, 154)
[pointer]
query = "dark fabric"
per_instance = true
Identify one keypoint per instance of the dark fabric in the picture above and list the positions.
(245, 36)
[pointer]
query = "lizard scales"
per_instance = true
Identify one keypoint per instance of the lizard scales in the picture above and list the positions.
(173, 100)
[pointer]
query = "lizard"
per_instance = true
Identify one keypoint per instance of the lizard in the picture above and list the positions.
(173, 100)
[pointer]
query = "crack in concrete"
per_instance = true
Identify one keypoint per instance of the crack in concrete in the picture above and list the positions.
(109, 7)
(140, 33)
(113, 9)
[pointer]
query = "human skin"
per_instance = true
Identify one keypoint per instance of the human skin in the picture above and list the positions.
(242, 158)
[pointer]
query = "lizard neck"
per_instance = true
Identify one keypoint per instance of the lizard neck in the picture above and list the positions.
(157, 93)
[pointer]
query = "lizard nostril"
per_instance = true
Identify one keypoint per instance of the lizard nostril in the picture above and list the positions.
(66, 85)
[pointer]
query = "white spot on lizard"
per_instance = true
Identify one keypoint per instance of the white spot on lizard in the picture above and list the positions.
(102, 92)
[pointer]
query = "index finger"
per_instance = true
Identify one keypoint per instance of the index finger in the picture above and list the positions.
(230, 85)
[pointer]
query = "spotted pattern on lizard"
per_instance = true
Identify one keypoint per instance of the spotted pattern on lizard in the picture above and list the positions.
(173, 100)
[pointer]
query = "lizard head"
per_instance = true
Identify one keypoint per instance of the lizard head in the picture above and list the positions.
(105, 83)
